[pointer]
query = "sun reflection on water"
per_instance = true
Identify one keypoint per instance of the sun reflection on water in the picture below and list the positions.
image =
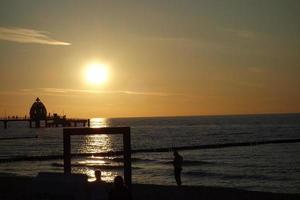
(96, 144)
(107, 176)
(98, 122)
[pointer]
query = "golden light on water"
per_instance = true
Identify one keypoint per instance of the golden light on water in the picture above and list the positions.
(96, 73)
(107, 176)
(92, 162)
(97, 143)
(98, 122)
(89, 170)
(93, 144)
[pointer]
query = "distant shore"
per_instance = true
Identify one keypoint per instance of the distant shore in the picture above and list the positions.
(17, 187)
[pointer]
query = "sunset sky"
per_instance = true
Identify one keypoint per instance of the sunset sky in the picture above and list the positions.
(162, 58)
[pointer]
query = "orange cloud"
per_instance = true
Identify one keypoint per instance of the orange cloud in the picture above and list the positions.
(23, 35)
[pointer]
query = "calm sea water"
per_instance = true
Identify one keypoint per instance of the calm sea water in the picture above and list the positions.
(272, 167)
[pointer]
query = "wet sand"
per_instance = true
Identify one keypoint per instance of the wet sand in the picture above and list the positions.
(15, 187)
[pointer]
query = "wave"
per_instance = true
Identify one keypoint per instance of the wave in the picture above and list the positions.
(227, 176)
(230, 133)
(31, 158)
(189, 162)
(240, 176)
(119, 160)
(94, 166)
(242, 133)
(201, 174)
(19, 138)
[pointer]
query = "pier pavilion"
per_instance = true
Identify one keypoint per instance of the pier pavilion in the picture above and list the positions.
(38, 113)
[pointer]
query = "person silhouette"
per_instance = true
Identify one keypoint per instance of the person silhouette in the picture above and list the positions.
(120, 191)
(98, 176)
(98, 188)
(177, 163)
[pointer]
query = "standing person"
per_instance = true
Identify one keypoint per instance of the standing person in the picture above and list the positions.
(177, 163)
(98, 188)
(120, 191)
(98, 177)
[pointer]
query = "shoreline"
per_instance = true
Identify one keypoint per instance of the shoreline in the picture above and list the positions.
(20, 187)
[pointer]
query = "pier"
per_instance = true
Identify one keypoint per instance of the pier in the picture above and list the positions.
(38, 114)
(49, 122)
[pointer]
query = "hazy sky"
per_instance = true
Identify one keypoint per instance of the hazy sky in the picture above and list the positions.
(164, 57)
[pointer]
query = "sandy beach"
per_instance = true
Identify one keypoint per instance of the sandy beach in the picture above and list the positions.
(15, 187)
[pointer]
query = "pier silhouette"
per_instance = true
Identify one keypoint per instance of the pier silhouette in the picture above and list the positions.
(38, 114)
(49, 122)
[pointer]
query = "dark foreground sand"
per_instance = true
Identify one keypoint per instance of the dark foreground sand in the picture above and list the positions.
(25, 188)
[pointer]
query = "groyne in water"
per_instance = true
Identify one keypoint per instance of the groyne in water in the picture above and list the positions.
(18, 138)
(167, 149)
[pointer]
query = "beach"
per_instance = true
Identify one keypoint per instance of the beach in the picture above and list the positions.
(18, 187)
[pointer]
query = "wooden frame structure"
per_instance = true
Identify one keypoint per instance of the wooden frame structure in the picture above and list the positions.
(125, 131)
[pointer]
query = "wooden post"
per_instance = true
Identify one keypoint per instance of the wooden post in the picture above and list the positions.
(37, 123)
(5, 123)
(67, 153)
(127, 158)
(88, 122)
(30, 123)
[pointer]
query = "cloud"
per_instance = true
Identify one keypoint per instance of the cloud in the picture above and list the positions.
(23, 35)
(62, 91)
(256, 69)
(166, 38)
(240, 33)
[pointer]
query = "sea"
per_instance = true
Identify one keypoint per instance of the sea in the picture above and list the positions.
(271, 167)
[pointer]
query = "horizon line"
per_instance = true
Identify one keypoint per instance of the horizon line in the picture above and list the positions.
(178, 116)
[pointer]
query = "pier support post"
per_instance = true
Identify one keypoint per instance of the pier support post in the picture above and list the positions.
(37, 123)
(30, 124)
(67, 154)
(5, 124)
(88, 122)
(127, 158)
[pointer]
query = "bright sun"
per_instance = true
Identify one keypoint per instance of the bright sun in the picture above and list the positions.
(96, 73)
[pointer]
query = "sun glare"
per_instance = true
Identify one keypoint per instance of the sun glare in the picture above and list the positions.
(96, 73)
